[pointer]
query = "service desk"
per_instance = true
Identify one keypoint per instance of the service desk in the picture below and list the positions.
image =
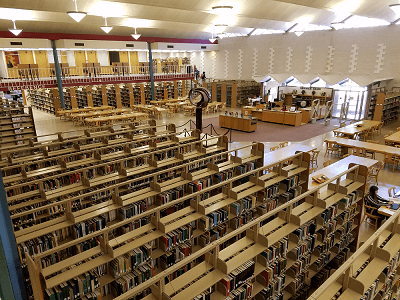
(238, 123)
(282, 117)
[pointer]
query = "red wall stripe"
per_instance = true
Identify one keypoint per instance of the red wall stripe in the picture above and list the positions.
(68, 36)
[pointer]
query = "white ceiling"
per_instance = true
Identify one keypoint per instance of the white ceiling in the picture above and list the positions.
(183, 18)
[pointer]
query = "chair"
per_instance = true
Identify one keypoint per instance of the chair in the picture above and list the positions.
(372, 153)
(314, 158)
(327, 163)
(398, 129)
(274, 148)
(170, 112)
(346, 155)
(391, 160)
(378, 130)
(359, 151)
(374, 171)
(371, 216)
(312, 170)
(284, 144)
(363, 135)
(331, 148)
(386, 142)
(392, 191)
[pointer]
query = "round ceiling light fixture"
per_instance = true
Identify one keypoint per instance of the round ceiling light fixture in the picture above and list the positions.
(15, 30)
(76, 15)
(136, 35)
(106, 28)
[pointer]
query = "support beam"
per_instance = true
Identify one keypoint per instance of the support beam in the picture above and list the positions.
(10, 252)
(153, 95)
(58, 74)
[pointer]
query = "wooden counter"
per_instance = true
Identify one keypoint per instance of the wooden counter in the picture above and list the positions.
(238, 123)
(282, 117)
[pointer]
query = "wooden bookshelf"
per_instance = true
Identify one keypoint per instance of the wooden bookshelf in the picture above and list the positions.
(372, 269)
(17, 127)
(276, 224)
(384, 107)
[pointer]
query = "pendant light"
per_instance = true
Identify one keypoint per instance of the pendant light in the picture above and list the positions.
(106, 28)
(136, 35)
(212, 40)
(14, 30)
(298, 33)
(76, 15)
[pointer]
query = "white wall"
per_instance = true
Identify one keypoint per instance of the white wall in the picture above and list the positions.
(142, 56)
(368, 45)
(3, 65)
(102, 57)
(50, 56)
(71, 58)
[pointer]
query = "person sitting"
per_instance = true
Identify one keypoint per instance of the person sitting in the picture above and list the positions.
(374, 200)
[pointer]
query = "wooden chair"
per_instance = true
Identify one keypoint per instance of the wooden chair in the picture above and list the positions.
(370, 216)
(368, 152)
(314, 158)
(391, 160)
(331, 148)
(170, 112)
(374, 171)
(392, 191)
(378, 129)
(363, 135)
(327, 163)
(274, 148)
(312, 170)
(284, 144)
(359, 151)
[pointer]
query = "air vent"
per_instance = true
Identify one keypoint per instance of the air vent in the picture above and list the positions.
(130, 45)
(79, 44)
(16, 43)
(203, 47)
(170, 46)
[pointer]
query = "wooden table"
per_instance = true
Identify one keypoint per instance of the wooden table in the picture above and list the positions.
(68, 112)
(161, 102)
(341, 166)
(386, 211)
(352, 129)
(190, 108)
(215, 105)
(176, 105)
(111, 119)
(378, 148)
(394, 138)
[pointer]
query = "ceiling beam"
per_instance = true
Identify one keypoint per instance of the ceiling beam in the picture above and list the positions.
(254, 29)
(291, 27)
(395, 21)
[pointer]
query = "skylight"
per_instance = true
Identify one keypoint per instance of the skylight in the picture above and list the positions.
(224, 35)
(261, 31)
(309, 27)
(359, 22)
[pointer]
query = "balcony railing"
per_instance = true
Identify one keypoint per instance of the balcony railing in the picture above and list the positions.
(33, 78)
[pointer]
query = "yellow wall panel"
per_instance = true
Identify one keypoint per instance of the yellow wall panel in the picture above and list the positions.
(134, 58)
(123, 57)
(92, 56)
(80, 58)
(41, 58)
(26, 57)
(64, 59)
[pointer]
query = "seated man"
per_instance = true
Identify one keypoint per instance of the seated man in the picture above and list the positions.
(374, 200)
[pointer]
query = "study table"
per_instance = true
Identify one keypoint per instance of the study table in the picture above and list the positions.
(394, 138)
(386, 211)
(92, 122)
(339, 167)
(356, 128)
(377, 148)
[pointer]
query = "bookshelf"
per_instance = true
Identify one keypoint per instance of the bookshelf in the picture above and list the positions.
(372, 271)
(217, 259)
(384, 107)
(61, 224)
(17, 127)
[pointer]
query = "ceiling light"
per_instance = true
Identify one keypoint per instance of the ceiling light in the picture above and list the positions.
(299, 33)
(222, 9)
(212, 40)
(14, 30)
(106, 28)
(136, 35)
(76, 15)
(338, 25)
(395, 8)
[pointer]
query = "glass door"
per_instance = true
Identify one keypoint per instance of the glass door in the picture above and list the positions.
(356, 100)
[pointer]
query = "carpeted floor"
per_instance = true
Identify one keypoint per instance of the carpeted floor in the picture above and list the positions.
(270, 132)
